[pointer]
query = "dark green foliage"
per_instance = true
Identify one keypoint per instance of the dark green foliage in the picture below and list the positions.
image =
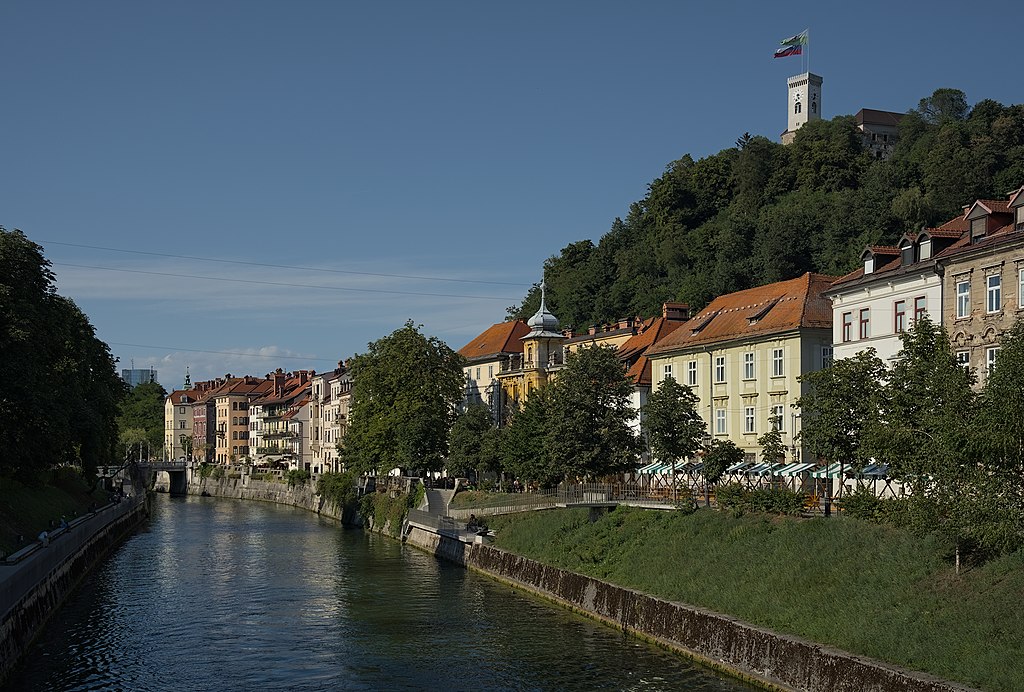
(761, 212)
(773, 451)
(297, 477)
(339, 489)
(737, 499)
(142, 412)
(523, 445)
(467, 440)
(59, 391)
(720, 455)
(404, 398)
(673, 425)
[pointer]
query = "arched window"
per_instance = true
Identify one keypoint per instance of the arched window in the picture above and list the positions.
(797, 107)
(814, 106)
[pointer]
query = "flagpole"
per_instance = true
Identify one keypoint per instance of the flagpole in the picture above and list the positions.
(808, 31)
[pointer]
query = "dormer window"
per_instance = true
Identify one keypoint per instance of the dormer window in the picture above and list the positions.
(906, 253)
(978, 228)
(869, 264)
(1018, 219)
(925, 248)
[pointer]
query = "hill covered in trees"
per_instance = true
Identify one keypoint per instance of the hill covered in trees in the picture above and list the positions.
(760, 212)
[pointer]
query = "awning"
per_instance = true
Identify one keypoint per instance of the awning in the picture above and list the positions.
(737, 467)
(834, 471)
(876, 470)
(794, 469)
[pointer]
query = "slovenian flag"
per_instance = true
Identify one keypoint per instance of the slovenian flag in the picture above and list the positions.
(798, 40)
(789, 50)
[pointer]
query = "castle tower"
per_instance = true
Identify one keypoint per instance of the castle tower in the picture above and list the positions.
(804, 103)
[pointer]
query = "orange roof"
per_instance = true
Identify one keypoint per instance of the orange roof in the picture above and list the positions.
(756, 312)
(504, 337)
(653, 331)
(177, 395)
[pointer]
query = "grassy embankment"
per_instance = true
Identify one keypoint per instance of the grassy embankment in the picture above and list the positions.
(868, 589)
(26, 509)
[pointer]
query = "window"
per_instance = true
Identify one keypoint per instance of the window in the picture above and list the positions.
(779, 417)
(778, 362)
(963, 358)
(234, 405)
(748, 365)
(748, 419)
(691, 373)
(826, 356)
(478, 373)
(719, 368)
(719, 421)
(990, 358)
(847, 327)
(865, 323)
(1020, 285)
(490, 371)
(995, 295)
(797, 107)
(666, 371)
(963, 299)
(899, 311)
(234, 420)
(920, 307)
(181, 409)
(181, 425)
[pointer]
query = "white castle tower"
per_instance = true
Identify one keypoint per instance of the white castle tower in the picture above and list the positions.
(804, 103)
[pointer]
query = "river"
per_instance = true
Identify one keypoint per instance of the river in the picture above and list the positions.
(218, 594)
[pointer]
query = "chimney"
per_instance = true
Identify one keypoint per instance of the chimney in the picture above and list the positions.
(675, 312)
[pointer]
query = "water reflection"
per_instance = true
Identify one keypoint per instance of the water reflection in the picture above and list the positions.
(229, 595)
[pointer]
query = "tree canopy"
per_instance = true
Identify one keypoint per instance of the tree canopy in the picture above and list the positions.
(59, 389)
(673, 425)
(405, 393)
(761, 212)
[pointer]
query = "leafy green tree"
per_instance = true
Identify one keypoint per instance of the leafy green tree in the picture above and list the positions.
(719, 456)
(466, 441)
(525, 453)
(589, 431)
(673, 425)
(773, 451)
(841, 402)
(943, 105)
(143, 409)
(405, 394)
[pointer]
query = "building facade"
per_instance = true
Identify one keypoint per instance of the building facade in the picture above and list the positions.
(486, 356)
(743, 356)
(804, 99)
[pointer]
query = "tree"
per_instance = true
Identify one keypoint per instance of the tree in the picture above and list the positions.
(772, 449)
(674, 427)
(719, 456)
(143, 409)
(466, 441)
(841, 401)
(523, 444)
(589, 431)
(943, 105)
(405, 392)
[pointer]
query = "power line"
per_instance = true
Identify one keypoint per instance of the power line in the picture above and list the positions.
(281, 283)
(282, 266)
(226, 353)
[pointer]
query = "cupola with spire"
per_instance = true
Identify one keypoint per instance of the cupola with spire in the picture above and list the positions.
(543, 323)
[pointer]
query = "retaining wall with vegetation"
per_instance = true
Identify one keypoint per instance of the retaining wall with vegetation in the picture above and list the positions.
(245, 488)
(33, 585)
(719, 641)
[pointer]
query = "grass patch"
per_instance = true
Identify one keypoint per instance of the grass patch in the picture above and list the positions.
(868, 589)
(28, 509)
(479, 499)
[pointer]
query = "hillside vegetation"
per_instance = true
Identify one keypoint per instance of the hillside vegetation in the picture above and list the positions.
(760, 212)
(868, 589)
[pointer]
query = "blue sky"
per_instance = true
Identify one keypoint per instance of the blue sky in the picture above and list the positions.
(458, 142)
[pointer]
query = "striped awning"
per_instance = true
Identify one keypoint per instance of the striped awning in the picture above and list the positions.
(834, 471)
(876, 470)
(737, 467)
(794, 469)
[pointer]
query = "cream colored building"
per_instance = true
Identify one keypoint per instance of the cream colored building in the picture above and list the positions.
(178, 424)
(743, 356)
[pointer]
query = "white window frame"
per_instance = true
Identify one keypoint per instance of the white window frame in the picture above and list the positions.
(991, 355)
(963, 358)
(993, 293)
(963, 299)
(719, 369)
(666, 371)
(720, 422)
(1020, 287)
(748, 365)
(779, 411)
(691, 373)
(749, 425)
(778, 362)
(826, 356)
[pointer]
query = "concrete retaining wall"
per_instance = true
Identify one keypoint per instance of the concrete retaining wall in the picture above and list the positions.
(33, 589)
(716, 640)
(244, 488)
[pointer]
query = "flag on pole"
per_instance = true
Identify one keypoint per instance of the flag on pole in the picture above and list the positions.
(798, 40)
(788, 51)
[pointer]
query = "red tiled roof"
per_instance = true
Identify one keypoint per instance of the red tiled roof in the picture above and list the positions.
(797, 303)
(504, 337)
(994, 206)
(653, 331)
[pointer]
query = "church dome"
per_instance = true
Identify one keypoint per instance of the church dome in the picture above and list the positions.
(542, 320)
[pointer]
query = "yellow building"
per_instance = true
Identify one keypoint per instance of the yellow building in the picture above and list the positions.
(542, 356)
(743, 354)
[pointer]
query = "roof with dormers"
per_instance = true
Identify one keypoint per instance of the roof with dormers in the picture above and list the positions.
(635, 349)
(183, 396)
(498, 339)
(756, 312)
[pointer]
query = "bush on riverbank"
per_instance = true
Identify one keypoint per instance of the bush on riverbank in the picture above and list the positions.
(869, 589)
(339, 489)
(28, 509)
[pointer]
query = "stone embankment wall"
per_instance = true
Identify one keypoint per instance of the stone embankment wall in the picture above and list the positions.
(33, 588)
(718, 641)
(245, 488)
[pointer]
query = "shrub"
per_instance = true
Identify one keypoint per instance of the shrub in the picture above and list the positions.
(297, 477)
(731, 496)
(863, 504)
(338, 488)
